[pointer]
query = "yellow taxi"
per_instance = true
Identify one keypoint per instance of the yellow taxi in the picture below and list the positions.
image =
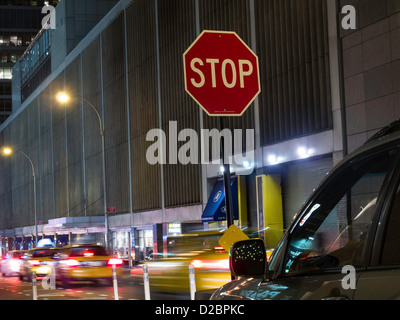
(171, 273)
(38, 260)
(200, 249)
(88, 262)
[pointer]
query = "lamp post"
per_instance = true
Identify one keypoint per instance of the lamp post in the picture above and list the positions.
(63, 97)
(6, 151)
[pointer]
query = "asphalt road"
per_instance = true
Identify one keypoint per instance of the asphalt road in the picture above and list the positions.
(11, 288)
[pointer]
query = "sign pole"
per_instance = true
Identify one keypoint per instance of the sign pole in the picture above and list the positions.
(227, 184)
(227, 181)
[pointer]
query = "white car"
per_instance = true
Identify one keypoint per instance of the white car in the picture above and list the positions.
(11, 263)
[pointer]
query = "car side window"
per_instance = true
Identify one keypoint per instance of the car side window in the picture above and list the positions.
(391, 248)
(333, 228)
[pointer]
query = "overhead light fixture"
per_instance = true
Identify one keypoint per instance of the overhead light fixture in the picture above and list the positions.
(274, 159)
(304, 152)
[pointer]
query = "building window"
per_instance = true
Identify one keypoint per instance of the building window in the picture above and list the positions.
(5, 73)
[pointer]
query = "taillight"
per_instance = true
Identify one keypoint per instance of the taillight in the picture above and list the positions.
(88, 254)
(114, 261)
(72, 263)
(222, 264)
(219, 249)
(34, 262)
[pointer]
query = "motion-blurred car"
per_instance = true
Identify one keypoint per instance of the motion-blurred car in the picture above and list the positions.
(11, 263)
(38, 260)
(87, 262)
(171, 274)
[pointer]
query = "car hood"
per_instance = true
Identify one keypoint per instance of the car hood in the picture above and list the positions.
(311, 287)
(242, 289)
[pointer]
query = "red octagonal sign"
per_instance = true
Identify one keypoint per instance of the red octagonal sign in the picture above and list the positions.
(221, 73)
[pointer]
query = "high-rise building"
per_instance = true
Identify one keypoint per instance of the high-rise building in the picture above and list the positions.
(20, 21)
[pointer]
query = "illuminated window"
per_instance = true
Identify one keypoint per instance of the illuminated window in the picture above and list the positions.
(6, 73)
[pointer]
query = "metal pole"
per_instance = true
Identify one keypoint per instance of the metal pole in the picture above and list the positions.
(115, 282)
(146, 282)
(227, 186)
(34, 192)
(192, 282)
(34, 285)
(34, 201)
(227, 182)
(103, 152)
(107, 238)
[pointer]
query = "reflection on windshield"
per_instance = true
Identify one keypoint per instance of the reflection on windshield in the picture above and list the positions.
(315, 207)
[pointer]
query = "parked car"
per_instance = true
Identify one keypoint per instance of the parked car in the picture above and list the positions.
(343, 244)
(11, 263)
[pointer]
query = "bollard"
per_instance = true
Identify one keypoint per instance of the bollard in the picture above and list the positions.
(115, 282)
(34, 285)
(192, 282)
(146, 282)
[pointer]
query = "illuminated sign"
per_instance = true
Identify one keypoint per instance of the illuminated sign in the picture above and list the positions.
(174, 228)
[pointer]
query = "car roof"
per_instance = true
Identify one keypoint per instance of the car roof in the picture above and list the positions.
(389, 129)
(82, 245)
(389, 135)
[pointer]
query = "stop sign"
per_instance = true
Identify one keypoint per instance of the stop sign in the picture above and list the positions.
(221, 73)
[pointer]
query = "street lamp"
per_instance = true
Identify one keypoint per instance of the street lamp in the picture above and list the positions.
(63, 97)
(7, 151)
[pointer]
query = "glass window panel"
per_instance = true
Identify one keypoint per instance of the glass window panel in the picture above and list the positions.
(333, 230)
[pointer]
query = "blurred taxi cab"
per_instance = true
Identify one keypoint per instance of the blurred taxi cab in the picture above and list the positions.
(171, 274)
(200, 249)
(11, 263)
(87, 262)
(38, 260)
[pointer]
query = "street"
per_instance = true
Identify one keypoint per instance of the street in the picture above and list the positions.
(11, 288)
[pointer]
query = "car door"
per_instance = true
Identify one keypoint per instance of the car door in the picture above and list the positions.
(335, 230)
(381, 280)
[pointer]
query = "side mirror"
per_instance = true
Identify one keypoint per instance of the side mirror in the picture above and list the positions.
(248, 258)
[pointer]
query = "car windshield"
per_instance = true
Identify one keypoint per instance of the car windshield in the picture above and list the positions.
(87, 251)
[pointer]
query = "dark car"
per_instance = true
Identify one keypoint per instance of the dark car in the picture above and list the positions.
(343, 244)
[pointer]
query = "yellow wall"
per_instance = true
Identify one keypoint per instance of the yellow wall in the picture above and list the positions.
(272, 211)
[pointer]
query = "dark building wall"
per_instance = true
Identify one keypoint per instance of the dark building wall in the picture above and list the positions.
(115, 115)
(371, 66)
(91, 90)
(177, 31)
(143, 102)
(292, 40)
(65, 141)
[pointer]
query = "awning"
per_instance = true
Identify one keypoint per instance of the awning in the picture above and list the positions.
(216, 209)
